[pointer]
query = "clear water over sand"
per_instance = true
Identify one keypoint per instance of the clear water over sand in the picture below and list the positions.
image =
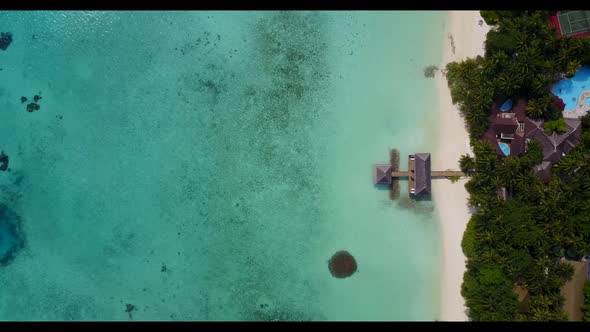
(205, 166)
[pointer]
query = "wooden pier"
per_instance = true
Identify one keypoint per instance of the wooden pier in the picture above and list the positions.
(434, 174)
(419, 174)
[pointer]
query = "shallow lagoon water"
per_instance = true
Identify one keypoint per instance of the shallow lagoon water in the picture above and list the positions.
(206, 165)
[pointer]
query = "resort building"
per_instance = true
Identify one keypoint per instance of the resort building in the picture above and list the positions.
(382, 174)
(507, 127)
(419, 174)
(419, 183)
(511, 130)
(556, 145)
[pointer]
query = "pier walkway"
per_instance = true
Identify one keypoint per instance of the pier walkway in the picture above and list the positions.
(419, 174)
(434, 174)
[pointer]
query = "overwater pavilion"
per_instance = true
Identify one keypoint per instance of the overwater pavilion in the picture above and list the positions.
(419, 174)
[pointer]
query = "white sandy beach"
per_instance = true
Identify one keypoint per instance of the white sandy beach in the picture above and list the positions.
(451, 198)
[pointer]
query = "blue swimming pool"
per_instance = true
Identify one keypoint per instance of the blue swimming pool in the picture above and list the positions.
(506, 106)
(505, 148)
(569, 90)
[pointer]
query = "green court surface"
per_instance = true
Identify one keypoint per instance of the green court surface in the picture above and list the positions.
(574, 21)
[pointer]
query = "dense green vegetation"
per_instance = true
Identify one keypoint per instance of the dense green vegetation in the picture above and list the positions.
(523, 57)
(520, 240)
(586, 306)
(555, 126)
(493, 17)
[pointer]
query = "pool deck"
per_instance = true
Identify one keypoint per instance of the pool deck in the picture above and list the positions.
(581, 109)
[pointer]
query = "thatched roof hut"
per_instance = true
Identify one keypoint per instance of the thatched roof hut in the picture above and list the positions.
(382, 174)
(420, 174)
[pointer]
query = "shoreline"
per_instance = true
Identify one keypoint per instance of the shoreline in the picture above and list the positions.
(464, 37)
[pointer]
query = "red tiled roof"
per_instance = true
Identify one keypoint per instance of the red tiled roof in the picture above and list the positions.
(517, 146)
(520, 109)
(505, 125)
(553, 145)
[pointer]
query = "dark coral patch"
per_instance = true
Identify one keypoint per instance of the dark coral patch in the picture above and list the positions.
(129, 309)
(36, 98)
(342, 264)
(33, 107)
(12, 239)
(23, 99)
(3, 161)
(5, 40)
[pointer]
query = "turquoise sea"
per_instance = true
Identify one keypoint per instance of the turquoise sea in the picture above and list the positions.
(206, 165)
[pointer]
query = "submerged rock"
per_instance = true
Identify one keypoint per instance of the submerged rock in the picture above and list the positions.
(23, 99)
(129, 309)
(430, 71)
(342, 264)
(12, 239)
(3, 161)
(33, 107)
(5, 40)
(36, 98)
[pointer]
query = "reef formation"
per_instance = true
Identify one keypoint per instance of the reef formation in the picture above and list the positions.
(3, 161)
(5, 40)
(12, 239)
(34, 106)
(342, 264)
(31, 107)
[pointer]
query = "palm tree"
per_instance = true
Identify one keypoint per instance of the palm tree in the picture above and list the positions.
(523, 184)
(486, 167)
(571, 162)
(526, 61)
(563, 55)
(481, 98)
(506, 84)
(535, 279)
(541, 83)
(509, 169)
(475, 201)
(522, 39)
(498, 59)
(497, 182)
(576, 47)
(573, 67)
(549, 66)
(467, 164)
(542, 301)
(489, 256)
(541, 314)
(535, 108)
(484, 149)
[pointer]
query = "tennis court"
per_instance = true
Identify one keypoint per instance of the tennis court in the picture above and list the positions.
(572, 22)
